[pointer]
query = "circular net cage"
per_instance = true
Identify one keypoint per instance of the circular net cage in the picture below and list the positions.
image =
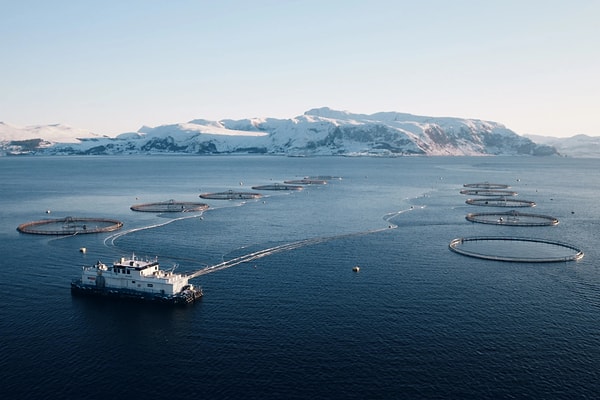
(512, 218)
(514, 249)
(70, 226)
(231, 195)
(307, 181)
(325, 177)
(500, 202)
(278, 186)
(486, 185)
(488, 192)
(170, 206)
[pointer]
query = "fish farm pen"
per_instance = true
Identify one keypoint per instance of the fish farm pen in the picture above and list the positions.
(278, 186)
(500, 202)
(511, 249)
(486, 185)
(325, 177)
(70, 226)
(526, 250)
(307, 181)
(512, 218)
(170, 206)
(488, 192)
(231, 195)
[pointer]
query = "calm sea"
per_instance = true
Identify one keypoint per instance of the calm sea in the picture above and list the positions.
(417, 321)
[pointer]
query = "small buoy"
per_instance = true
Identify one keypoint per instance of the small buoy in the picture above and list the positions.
(356, 268)
(82, 250)
(48, 211)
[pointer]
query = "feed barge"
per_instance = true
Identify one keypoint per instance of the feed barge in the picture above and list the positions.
(135, 279)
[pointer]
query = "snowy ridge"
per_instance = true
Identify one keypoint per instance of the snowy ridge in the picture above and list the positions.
(56, 133)
(580, 146)
(320, 131)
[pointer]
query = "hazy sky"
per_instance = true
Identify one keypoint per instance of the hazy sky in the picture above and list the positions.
(113, 66)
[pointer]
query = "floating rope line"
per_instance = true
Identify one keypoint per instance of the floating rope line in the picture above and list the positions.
(278, 249)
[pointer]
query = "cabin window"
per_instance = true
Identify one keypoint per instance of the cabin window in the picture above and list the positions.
(128, 272)
(150, 285)
(132, 281)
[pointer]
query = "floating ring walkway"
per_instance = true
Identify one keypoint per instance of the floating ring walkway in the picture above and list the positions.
(486, 185)
(500, 202)
(488, 192)
(325, 177)
(278, 186)
(231, 195)
(70, 226)
(512, 218)
(307, 181)
(170, 206)
(520, 249)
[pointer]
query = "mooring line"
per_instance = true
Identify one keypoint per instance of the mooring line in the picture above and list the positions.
(278, 249)
(265, 252)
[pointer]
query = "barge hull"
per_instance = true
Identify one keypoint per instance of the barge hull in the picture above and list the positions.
(185, 297)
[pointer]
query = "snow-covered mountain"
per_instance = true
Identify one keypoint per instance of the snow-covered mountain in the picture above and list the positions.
(37, 138)
(580, 146)
(321, 131)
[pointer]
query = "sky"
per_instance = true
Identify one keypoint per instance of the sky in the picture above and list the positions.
(113, 66)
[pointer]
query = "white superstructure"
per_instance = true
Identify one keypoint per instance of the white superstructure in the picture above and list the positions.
(133, 277)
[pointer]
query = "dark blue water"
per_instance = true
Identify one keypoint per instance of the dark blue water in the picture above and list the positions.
(417, 321)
